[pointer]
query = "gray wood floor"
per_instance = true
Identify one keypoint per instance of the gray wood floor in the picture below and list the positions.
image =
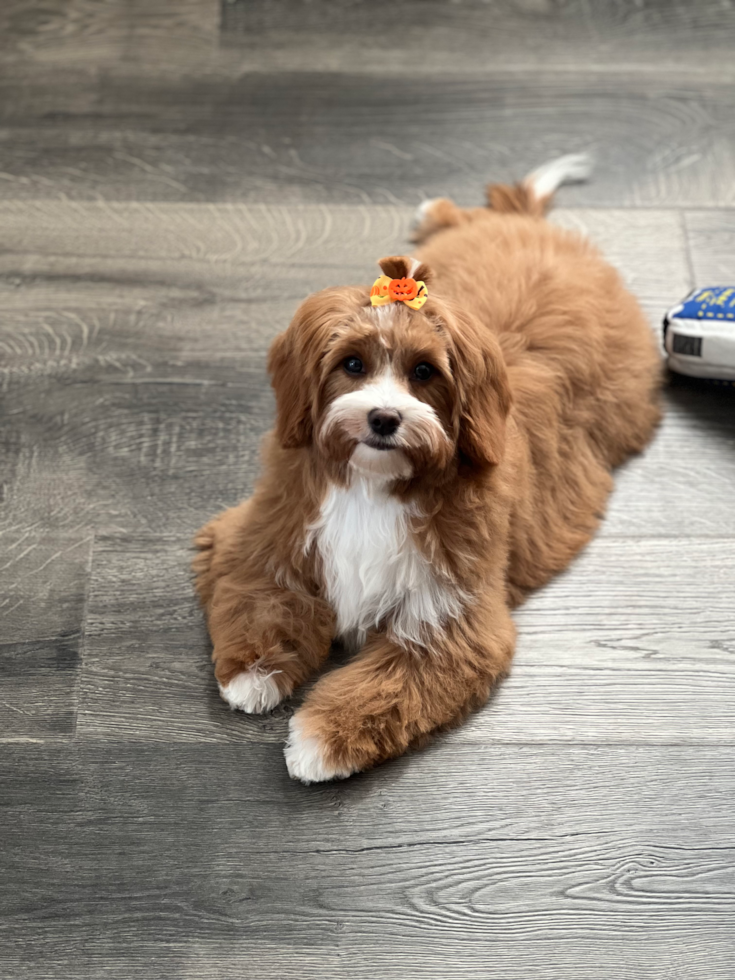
(173, 179)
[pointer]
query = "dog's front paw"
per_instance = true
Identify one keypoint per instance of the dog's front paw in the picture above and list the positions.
(255, 690)
(312, 756)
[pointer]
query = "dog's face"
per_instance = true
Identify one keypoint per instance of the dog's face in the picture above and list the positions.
(391, 391)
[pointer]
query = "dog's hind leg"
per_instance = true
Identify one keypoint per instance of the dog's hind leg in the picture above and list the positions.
(217, 551)
(438, 213)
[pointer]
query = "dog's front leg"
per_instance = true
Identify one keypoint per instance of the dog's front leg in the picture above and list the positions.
(267, 640)
(392, 697)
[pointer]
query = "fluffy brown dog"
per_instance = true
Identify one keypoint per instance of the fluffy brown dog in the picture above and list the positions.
(428, 468)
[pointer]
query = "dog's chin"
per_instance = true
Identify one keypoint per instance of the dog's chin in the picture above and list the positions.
(382, 464)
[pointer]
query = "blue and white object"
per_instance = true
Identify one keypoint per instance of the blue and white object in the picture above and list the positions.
(699, 334)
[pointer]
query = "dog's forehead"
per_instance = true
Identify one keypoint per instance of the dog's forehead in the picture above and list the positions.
(394, 329)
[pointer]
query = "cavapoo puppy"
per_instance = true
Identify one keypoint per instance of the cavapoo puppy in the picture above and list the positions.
(443, 445)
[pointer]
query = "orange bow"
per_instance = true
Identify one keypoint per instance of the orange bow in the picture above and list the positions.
(408, 291)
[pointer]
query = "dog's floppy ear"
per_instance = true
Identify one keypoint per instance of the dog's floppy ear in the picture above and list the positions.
(482, 429)
(294, 360)
(401, 267)
(484, 393)
(290, 383)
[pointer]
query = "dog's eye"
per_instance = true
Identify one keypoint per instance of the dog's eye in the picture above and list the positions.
(423, 371)
(353, 365)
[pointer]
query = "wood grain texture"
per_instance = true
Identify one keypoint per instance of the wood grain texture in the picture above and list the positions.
(683, 484)
(43, 589)
(126, 36)
(474, 35)
(304, 102)
(147, 669)
(130, 37)
(99, 447)
(662, 138)
(462, 870)
(174, 255)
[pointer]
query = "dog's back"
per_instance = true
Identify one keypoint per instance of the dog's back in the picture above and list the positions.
(582, 361)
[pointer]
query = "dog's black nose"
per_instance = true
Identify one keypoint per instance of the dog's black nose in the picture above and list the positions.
(383, 421)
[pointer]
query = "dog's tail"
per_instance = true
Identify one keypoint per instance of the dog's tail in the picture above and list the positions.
(534, 194)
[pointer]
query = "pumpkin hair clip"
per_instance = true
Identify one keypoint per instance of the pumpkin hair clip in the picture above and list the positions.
(406, 290)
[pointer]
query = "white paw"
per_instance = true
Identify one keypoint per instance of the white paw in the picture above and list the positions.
(305, 757)
(422, 211)
(254, 691)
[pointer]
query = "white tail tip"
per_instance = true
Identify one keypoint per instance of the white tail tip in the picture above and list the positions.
(573, 168)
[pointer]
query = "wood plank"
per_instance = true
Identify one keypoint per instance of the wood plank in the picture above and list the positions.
(698, 945)
(661, 138)
(147, 669)
(43, 589)
(129, 36)
(115, 898)
(684, 482)
(477, 36)
(149, 36)
(711, 236)
(170, 255)
(133, 440)
(432, 866)
(632, 644)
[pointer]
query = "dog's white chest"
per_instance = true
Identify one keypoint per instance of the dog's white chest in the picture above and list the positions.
(373, 570)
